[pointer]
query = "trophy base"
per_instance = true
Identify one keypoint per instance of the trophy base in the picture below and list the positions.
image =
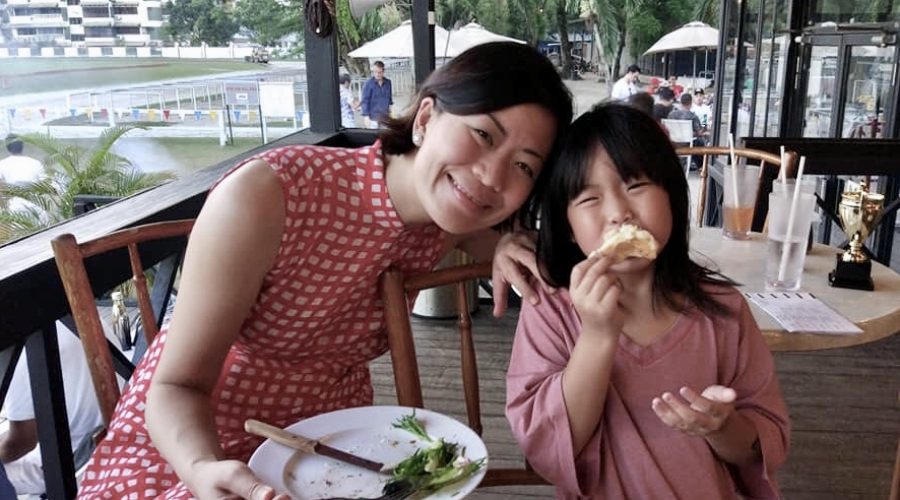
(857, 276)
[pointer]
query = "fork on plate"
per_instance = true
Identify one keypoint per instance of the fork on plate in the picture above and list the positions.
(395, 490)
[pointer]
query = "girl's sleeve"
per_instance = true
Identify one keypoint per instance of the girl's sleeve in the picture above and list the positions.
(761, 401)
(535, 405)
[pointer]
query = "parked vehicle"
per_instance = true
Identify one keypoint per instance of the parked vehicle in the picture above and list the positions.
(259, 55)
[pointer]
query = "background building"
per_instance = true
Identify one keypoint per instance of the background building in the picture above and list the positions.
(81, 23)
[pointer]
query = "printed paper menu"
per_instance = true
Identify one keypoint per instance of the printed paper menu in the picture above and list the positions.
(803, 312)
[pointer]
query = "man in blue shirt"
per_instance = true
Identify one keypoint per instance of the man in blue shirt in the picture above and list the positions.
(376, 97)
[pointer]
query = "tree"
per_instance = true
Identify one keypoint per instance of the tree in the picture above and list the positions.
(493, 15)
(70, 171)
(198, 21)
(268, 20)
(612, 26)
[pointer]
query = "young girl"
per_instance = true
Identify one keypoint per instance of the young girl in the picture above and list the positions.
(639, 378)
(278, 311)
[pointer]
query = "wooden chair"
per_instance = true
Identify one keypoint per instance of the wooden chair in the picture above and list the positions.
(770, 166)
(395, 287)
(71, 259)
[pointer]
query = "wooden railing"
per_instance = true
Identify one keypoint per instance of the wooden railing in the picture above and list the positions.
(32, 296)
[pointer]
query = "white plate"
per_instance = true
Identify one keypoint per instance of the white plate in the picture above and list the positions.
(367, 432)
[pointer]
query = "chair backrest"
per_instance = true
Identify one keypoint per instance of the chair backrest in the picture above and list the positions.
(770, 166)
(70, 259)
(680, 131)
(395, 287)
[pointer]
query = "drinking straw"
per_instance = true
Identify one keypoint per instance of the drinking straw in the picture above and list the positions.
(734, 177)
(782, 172)
(792, 214)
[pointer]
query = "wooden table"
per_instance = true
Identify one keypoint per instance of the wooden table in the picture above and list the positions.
(876, 313)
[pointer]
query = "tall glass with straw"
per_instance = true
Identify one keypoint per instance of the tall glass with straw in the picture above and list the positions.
(788, 230)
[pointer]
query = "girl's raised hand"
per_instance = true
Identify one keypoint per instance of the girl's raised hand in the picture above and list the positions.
(696, 414)
(595, 295)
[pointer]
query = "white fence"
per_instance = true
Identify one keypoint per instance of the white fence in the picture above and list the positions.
(176, 52)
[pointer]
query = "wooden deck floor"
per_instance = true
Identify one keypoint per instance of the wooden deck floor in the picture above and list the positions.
(843, 404)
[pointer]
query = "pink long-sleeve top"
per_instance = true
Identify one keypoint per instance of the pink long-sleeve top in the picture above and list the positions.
(633, 454)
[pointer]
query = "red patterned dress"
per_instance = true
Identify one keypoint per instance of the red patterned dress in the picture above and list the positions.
(318, 321)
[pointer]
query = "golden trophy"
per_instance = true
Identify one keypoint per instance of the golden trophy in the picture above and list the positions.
(859, 212)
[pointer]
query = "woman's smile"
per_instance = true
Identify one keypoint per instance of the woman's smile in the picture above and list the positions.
(467, 195)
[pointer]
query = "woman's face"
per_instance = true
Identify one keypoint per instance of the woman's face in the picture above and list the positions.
(608, 202)
(474, 171)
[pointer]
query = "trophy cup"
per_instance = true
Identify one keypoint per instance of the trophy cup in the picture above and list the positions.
(859, 212)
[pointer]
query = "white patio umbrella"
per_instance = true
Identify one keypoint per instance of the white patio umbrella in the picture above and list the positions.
(399, 43)
(471, 35)
(692, 36)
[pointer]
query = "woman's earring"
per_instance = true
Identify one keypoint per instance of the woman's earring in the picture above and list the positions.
(417, 139)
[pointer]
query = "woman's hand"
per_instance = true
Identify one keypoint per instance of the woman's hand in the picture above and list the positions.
(696, 414)
(229, 479)
(595, 295)
(515, 264)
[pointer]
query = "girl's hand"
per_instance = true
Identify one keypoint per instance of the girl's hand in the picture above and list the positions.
(229, 479)
(515, 265)
(696, 414)
(595, 295)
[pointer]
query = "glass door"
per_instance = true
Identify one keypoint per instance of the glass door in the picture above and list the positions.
(846, 81)
(868, 91)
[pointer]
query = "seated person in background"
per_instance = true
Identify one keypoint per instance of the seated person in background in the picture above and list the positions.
(702, 109)
(676, 88)
(18, 447)
(665, 105)
(643, 377)
(685, 113)
(626, 86)
(642, 101)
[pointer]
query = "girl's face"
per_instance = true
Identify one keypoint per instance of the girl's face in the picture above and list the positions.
(472, 172)
(607, 202)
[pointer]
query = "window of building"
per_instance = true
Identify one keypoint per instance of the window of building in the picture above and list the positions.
(125, 10)
(95, 11)
(75, 20)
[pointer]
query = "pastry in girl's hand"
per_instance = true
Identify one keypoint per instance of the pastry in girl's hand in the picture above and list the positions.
(627, 241)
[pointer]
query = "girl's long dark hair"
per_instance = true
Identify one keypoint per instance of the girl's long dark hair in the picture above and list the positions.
(487, 78)
(637, 146)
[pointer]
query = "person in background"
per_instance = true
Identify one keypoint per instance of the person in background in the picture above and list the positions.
(279, 310)
(627, 85)
(638, 378)
(685, 113)
(349, 104)
(702, 109)
(642, 101)
(18, 447)
(666, 103)
(676, 88)
(377, 97)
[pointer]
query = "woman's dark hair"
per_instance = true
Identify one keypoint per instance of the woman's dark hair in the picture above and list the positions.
(638, 147)
(483, 79)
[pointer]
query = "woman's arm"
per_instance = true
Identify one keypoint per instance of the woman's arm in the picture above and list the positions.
(231, 248)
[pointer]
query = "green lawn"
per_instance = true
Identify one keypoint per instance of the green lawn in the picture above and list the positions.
(24, 76)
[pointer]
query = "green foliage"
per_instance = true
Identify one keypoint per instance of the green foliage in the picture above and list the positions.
(70, 171)
(198, 21)
(707, 11)
(268, 20)
(493, 15)
(452, 13)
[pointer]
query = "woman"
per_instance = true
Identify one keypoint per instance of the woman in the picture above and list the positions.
(278, 312)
